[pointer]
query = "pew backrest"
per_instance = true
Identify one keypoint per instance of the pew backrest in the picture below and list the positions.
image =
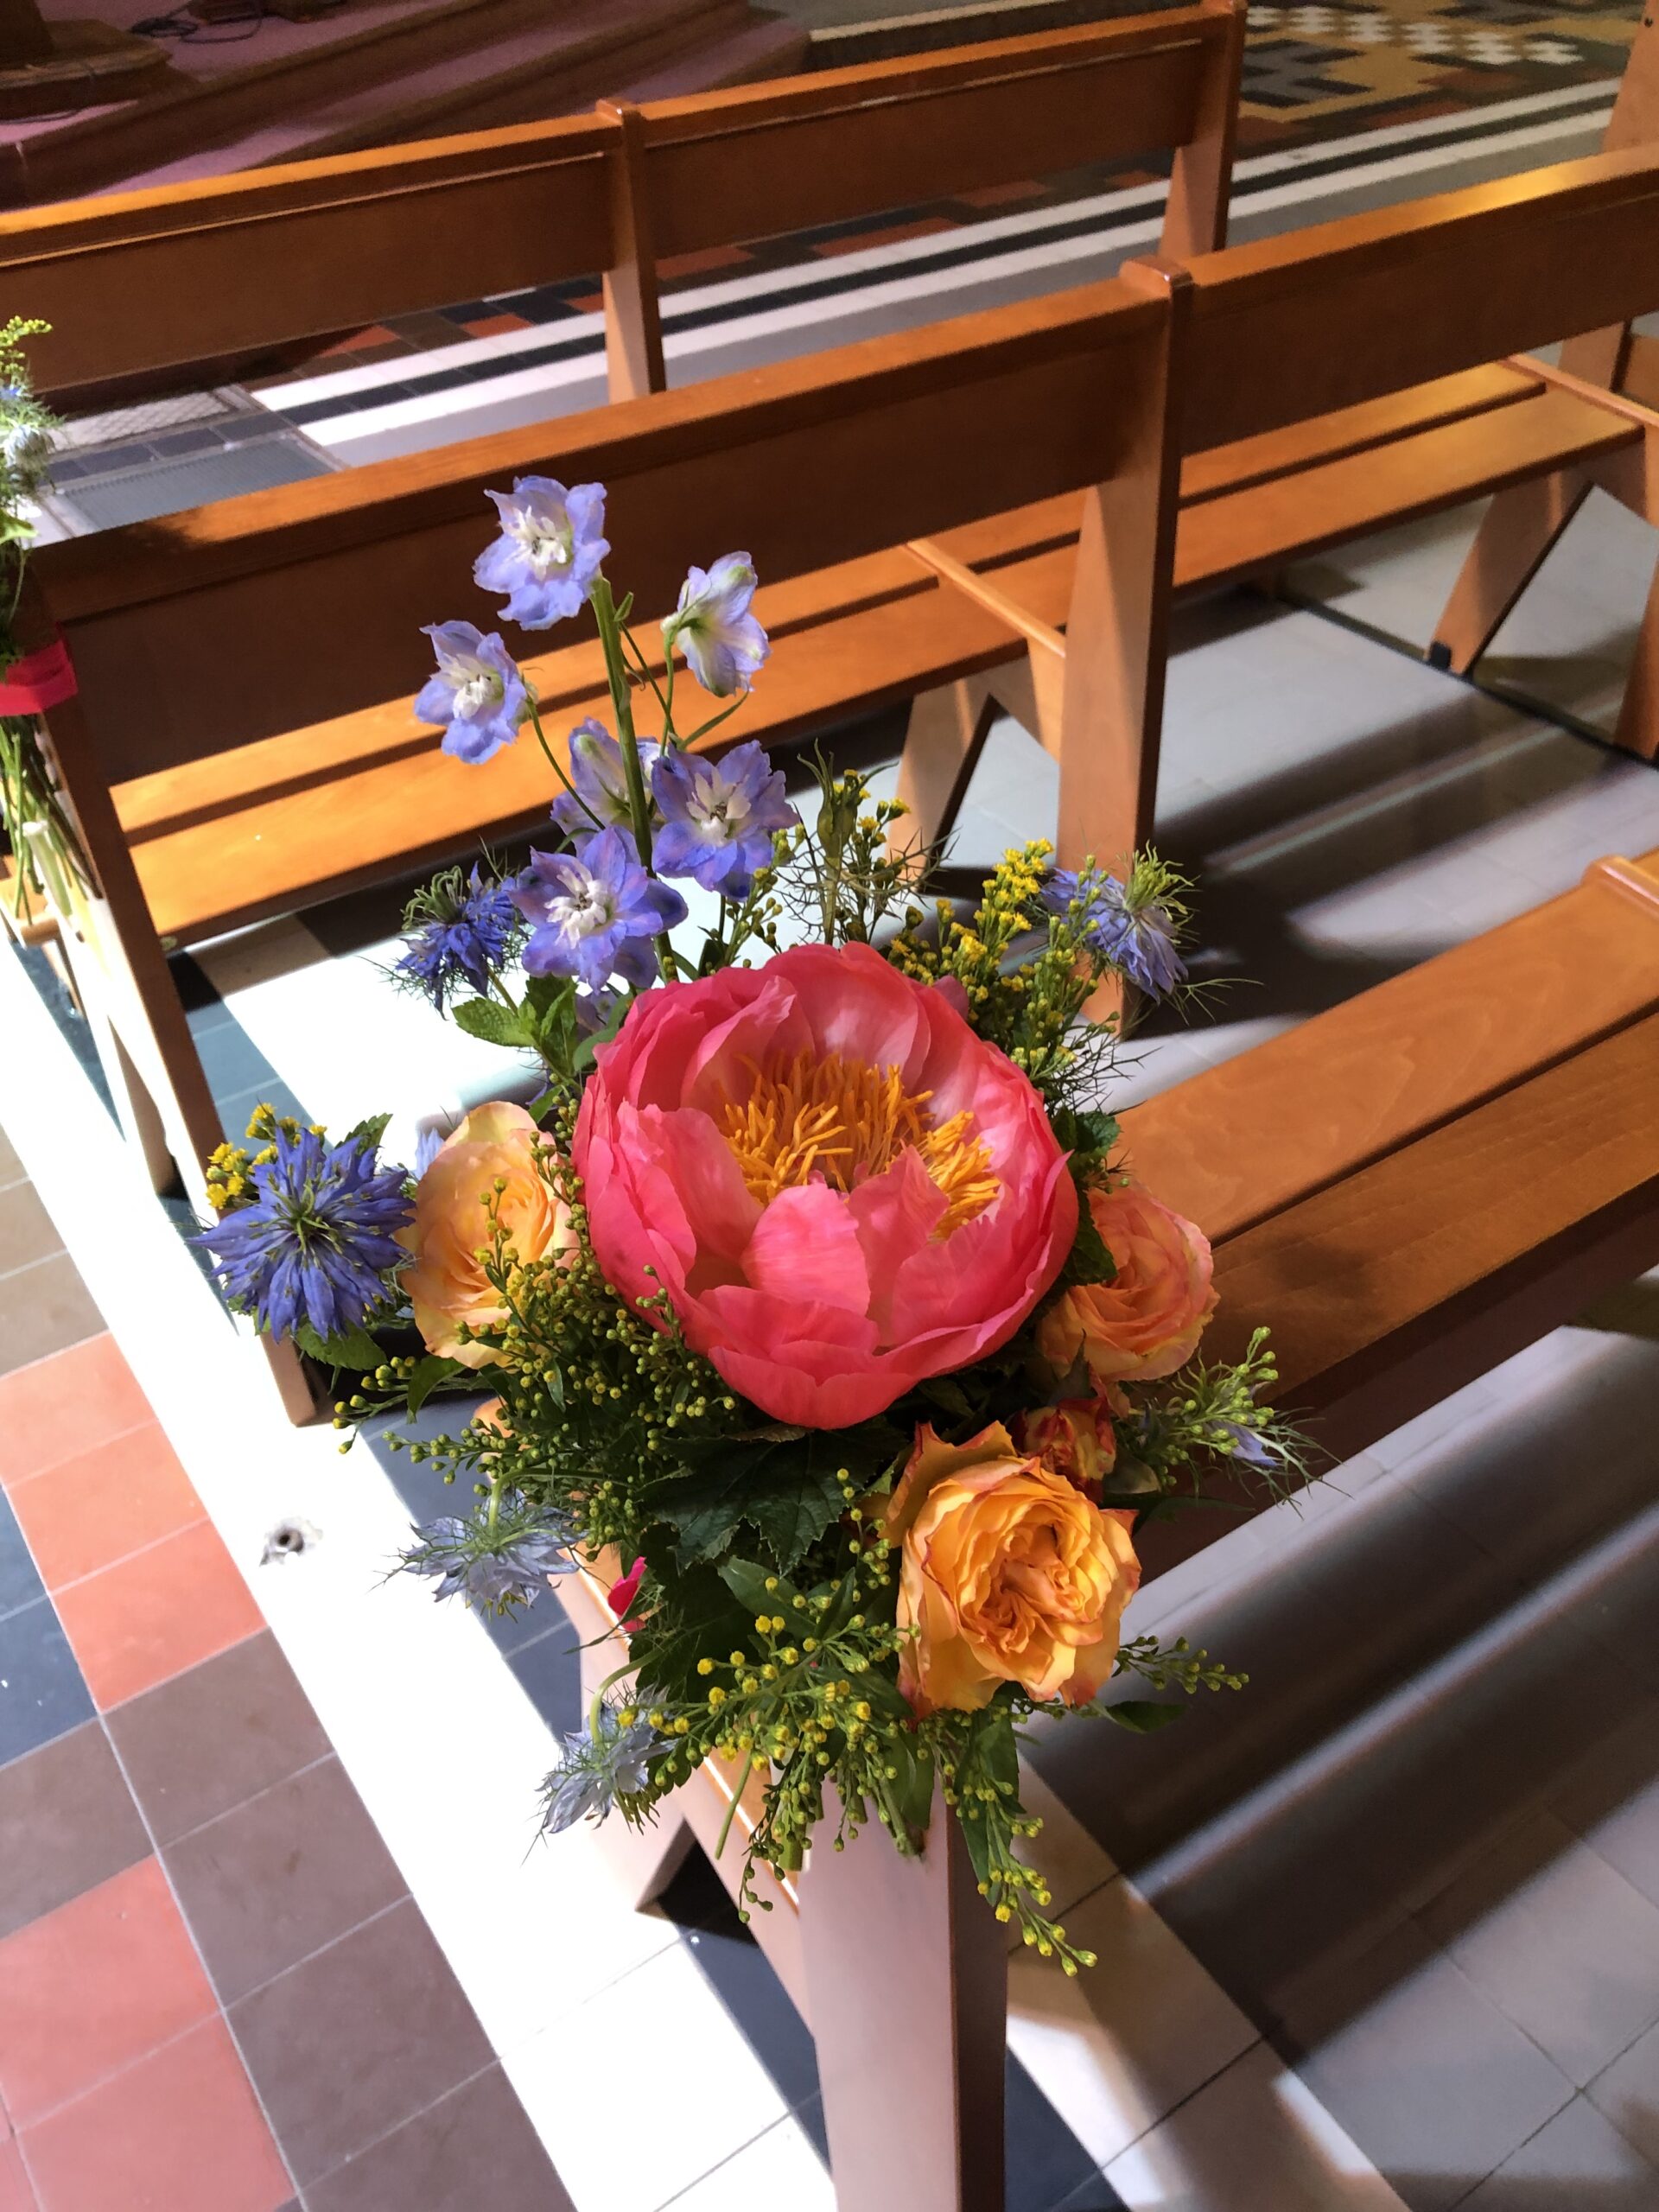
(1299, 325)
(202, 631)
(155, 282)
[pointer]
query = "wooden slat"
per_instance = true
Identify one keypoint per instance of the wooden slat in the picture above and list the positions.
(767, 159)
(1386, 1268)
(1383, 1069)
(1327, 317)
(149, 280)
(294, 606)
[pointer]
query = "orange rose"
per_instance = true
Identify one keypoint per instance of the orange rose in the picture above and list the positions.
(1147, 1320)
(1009, 1574)
(447, 1284)
(1075, 1439)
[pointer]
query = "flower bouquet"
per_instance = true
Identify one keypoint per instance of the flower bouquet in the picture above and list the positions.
(812, 1289)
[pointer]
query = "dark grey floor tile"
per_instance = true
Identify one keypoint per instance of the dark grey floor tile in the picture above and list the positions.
(549, 1669)
(269, 1883)
(1561, 1944)
(1577, 2163)
(28, 1232)
(475, 2147)
(201, 1745)
(1045, 2161)
(1435, 2085)
(20, 1584)
(67, 1823)
(44, 1308)
(231, 1061)
(359, 2039)
(41, 1693)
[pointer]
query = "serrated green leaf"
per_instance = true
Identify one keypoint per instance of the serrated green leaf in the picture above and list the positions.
(784, 1484)
(493, 1024)
(371, 1131)
(1142, 1716)
(1090, 1259)
(354, 1349)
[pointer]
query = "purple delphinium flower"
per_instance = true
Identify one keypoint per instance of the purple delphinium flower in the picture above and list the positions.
(548, 551)
(723, 642)
(1137, 938)
(464, 931)
(317, 1240)
(601, 798)
(719, 818)
(596, 1770)
(594, 913)
(494, 1569)
(478, 694)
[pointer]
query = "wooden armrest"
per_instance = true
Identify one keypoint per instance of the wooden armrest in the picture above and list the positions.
(1597, 395)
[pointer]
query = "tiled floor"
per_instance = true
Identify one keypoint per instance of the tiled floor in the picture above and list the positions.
(216, 1993)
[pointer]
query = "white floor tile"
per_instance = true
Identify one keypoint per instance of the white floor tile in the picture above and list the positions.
(1253, 2140)
(779, 2172)
(640, 2092)
(1122, 2044)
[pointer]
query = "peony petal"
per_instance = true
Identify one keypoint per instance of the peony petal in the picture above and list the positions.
(805, 1246)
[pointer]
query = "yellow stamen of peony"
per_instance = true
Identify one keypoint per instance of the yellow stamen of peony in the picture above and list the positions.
(846, 1121)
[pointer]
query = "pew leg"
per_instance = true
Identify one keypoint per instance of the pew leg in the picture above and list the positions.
(907, 1974)
(1516, 534)
(1638, 715)
(946, 735)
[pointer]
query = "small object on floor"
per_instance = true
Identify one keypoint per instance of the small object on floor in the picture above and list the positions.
(287, 1540)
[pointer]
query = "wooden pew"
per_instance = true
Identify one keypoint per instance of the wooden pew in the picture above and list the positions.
(189, 280)
(1526, 520)
(1329, 382)
(1408, 1188)
(241, 742)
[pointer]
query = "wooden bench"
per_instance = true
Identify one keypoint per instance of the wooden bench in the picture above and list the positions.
(1330, 382)
(1408, 1189)
(1526, 520)
(198, 282)
(242, 741)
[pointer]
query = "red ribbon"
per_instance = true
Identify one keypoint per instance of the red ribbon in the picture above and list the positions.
(39, 680)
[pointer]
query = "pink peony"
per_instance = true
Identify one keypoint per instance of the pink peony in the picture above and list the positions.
(840, 1187)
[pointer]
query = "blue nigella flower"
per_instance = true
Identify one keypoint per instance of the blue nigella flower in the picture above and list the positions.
(601, 798)
(596, 1770)
(592, 914)
(1136, 938)
(1249, 1445)
(718, 816)
(494, 1568)
(317, 1240)
(464, 933)
(723, 643)
(479, 694)
(548, 551)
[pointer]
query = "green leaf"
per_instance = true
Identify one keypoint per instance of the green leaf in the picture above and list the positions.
(910, 1792)
(1142, 1716)
(495, 1024)
(583, 1059)
(781, 1482)
(1090, 1260)
(371, 1131)
(356, 1349)
(431, 1371)
(748, 1584)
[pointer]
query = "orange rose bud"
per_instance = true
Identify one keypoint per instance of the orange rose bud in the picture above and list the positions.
(448, 1286)
(1147, 1321)
(1075, 1439)
(1008, 1574)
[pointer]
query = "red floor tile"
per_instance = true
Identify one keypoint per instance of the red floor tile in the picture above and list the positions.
(99, 1506)
(15, 2195)
(179, 2132)
(705, 260)
(93, 1986)
(148, 1618)
(62, 1405)
(491, 325)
